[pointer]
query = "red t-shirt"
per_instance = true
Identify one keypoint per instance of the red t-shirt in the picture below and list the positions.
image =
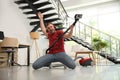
(59, 46)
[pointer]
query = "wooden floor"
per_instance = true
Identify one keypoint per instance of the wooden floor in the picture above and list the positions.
(101, 71)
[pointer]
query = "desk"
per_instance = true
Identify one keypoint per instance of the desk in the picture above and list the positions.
(28, 52)
(21, 46)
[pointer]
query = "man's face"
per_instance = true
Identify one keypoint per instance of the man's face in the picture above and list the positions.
(50, 28)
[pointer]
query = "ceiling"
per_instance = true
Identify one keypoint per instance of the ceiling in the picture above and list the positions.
(70, 4)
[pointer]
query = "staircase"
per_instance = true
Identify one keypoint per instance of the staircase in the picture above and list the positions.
(32, 7)
(55, 13)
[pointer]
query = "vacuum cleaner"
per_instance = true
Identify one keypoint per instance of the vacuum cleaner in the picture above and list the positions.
(85, 61)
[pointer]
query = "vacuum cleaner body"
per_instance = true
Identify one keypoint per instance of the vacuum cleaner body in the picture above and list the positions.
(85, 61)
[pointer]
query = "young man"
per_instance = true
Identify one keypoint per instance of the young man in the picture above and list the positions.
(57, 52)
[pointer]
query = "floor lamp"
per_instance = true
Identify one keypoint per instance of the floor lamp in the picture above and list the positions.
(34, 36)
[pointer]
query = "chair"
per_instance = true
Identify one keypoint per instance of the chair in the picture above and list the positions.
(9, 46)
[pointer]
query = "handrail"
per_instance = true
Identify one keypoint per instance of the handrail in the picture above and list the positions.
(114, 43)
(63, 8)
(60, 9)
(59, 2)
(100, 31)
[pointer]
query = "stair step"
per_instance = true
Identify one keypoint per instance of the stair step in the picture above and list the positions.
(81, 42)
(40, 10)
(24, 2)
(20, 2)
(56, 29)
(37, 22)
(38, 5)
(24, 7)
(30, 12)
(35, 5)
(57, 24)
(60, 28)
(49, 15)
(46, 21)
(45, 16)
(52, 20)
(32, 17)
(34, 23)
(46, 9)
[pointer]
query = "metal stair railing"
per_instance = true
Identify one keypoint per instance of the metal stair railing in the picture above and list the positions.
(87, 32)
(60, 10)
(39, 6)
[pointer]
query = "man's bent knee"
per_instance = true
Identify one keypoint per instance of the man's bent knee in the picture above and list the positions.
(34, 66)
(72, 66)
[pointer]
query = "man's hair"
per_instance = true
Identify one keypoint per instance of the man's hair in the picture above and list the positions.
(46, 24)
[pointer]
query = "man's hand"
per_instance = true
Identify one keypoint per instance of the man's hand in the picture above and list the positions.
(40, 15)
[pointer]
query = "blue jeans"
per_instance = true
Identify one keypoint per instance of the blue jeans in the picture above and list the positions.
(58, 57)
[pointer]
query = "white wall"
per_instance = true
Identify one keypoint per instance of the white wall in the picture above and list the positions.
(15, 24)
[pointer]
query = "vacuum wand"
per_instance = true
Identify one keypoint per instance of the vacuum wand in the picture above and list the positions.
(77, 17)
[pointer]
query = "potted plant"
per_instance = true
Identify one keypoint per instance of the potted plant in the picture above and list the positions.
(98, 44)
